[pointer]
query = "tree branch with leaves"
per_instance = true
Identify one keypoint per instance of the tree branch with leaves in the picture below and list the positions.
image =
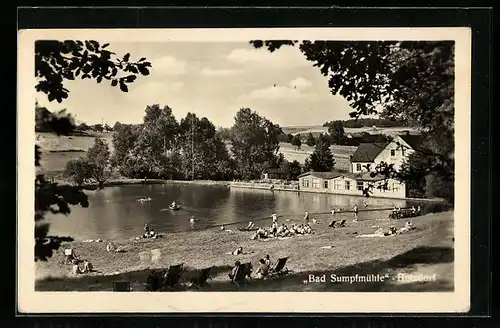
(57, 62)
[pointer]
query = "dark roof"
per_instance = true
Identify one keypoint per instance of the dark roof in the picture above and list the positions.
(412, 140)
(322, 175)
(367, 152)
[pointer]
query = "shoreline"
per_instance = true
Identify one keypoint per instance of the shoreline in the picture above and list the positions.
(308, 254)
(126, 181)
(228, 184)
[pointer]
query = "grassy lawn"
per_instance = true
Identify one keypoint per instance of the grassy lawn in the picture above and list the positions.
(427, 250)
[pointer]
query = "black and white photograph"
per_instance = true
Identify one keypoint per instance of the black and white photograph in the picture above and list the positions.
(214, 170)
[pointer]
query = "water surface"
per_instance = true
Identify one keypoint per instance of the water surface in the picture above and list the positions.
(116, 213)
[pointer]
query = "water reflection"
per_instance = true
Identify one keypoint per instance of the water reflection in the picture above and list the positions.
(115, 212)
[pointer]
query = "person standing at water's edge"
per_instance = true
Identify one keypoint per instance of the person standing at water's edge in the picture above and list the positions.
(355, 212)
(275, 217)
(306, 216)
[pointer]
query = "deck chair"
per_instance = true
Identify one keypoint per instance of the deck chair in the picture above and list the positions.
(154, 280)
(279, 268)
(243, 271)
(121, 286)
(332, 224)
(201, 280)
(342, 223)
(173, 275)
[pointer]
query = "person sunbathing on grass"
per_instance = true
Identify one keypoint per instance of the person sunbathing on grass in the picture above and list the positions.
(87, 267)
(267, 259)
(237, 251)
(110, 247)
(75, 269)
(262, 270)
(234, 270)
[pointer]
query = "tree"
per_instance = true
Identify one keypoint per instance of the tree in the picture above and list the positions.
(47, 121)
(289, 138)
(291, 169)
(413, 81)
(310, 141)
(98, 158)
(93, 168)
(124, 138)
(336, 130)
(204, 153)
(55, 63)
(78, 170)
(322, 157)
(82, 127)
(307, 165)
(156, 143)
(255, 143)
(296, 141)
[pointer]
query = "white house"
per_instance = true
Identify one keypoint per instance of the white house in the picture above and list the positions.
(369, 155)
(351, 184)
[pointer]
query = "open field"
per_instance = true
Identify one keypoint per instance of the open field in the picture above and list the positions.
(427, 250)
(340, 153)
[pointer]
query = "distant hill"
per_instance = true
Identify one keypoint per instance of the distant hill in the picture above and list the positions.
(316, 130)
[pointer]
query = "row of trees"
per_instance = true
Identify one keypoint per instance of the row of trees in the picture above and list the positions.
(164, 148)
(192, 148)
(367, 122)
(93, 127)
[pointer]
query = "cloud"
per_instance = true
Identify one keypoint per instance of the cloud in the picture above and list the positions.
(278, 93)
(285, 57)
(295, 89)
(300, 83)
(218, 72)
(168, 66)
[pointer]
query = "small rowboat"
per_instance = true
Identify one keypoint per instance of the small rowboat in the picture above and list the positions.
(174, 208)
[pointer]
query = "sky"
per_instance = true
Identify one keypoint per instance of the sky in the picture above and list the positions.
(213, 80)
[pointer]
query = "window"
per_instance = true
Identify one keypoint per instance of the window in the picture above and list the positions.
(337, 184)
(393, 152)
(305, 183)
(358, 167)
(315, 183)
(325, 184)
(348, 185)
(360, 185)
(403, 150)
(395, 187)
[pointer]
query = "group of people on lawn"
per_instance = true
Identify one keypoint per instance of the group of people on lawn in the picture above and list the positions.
(73, 259)
(281, 230)
(262, 270)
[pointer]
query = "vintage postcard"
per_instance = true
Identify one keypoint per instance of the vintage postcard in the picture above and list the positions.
(244, 170)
